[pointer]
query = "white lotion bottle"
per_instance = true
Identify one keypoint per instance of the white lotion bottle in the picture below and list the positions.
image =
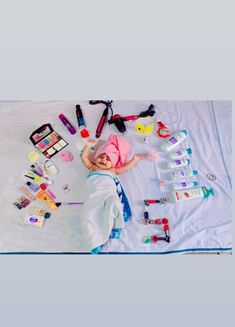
(183, 185)
(183, 173)
(180, 154)
(177, 163)
(189, 194)
(173, 141)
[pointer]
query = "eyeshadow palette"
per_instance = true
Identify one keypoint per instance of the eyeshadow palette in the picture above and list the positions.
(47, 141)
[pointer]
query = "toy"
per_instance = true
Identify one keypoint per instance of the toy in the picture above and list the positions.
(47, 141)
(144, 125)
(163, 131)
(67, 124)
(66, 156)
(81, 122)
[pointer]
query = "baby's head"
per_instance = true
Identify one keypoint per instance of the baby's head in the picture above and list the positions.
(103, 161)
(112, 153)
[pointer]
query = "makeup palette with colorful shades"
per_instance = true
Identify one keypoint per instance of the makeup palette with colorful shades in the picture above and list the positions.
(47, 141)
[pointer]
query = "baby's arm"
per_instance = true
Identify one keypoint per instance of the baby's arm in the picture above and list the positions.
(85, 155)
(130, 164)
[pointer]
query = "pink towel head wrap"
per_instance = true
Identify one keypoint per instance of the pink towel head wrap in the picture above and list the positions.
(116, 148)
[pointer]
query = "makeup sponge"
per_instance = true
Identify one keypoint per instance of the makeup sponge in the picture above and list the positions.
(66, 156)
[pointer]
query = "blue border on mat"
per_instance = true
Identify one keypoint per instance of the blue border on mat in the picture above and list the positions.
(199, 250)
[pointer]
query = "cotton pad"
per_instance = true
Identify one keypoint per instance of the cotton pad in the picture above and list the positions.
(33, 156)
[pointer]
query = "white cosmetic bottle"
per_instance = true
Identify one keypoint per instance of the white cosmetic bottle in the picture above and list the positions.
(183, 185)
(189, 194)
(180, 154)
(173, 141)
(183, 173)
(177, 163)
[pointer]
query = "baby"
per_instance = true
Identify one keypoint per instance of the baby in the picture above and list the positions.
(108, 162)
(106, 207)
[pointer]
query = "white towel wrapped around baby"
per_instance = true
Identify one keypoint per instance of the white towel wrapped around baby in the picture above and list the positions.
(105, 210)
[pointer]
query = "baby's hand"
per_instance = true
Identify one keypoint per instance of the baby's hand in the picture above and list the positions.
(138, 156)
(91, 143)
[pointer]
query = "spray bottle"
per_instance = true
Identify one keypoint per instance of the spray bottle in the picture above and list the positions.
(81, 122)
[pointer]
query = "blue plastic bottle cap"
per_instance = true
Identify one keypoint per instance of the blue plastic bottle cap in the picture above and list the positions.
(211, 191)
(185, 131)
(189, 151)
(195, 172)
(207, 192)
(195, 183)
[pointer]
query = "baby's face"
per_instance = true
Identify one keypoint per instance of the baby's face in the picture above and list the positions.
(103, 161)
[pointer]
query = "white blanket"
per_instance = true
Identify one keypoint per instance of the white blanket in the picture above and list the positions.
(197, 225)
(102, 210)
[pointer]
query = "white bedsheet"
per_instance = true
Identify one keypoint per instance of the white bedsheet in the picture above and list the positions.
(197, 225)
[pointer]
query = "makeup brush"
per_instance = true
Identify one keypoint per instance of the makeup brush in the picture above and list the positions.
(58, 204)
